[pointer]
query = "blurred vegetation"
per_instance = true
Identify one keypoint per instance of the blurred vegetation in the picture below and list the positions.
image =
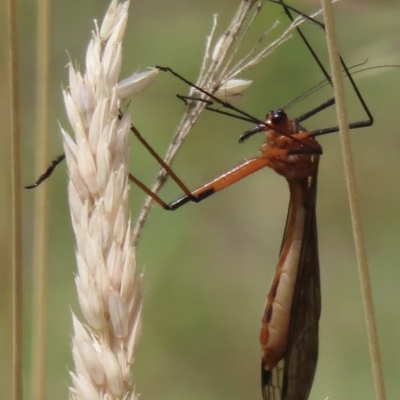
(208, 267)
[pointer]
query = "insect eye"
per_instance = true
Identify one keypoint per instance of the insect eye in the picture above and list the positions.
(278, 116)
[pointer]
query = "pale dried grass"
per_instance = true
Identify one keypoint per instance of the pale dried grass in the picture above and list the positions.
(109, 288)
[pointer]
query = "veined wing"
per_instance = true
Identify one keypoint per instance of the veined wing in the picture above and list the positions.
(292, 377)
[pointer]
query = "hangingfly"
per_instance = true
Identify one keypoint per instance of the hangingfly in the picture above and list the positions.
(289, 328)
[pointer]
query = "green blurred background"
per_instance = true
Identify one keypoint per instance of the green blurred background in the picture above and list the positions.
(208, 267)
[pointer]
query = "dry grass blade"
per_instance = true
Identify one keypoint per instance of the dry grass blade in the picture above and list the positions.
(6, 255)
(358, 235)
(15, 228)
(42, 211)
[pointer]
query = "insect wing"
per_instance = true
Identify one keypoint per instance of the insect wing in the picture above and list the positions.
(302, 351)
(293, 376)
(272, 390)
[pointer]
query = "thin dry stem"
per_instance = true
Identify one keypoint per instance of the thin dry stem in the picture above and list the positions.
(6, 255)
(15, 190)
(213, 74)
(40, 264)
(259, 55)
(358, 235)
(109, 288)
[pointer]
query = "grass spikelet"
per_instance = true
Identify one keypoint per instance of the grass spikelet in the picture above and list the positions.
(108, 286)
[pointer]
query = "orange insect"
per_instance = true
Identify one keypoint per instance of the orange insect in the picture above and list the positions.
(289, 328)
